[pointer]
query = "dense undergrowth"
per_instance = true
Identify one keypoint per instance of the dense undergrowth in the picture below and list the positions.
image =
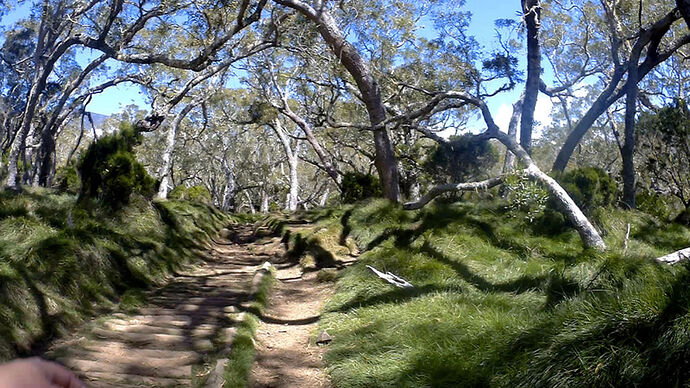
(61, 262)
(499, 301)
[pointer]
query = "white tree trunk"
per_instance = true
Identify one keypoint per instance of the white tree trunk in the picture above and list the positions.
(324, 197)
(264, 201)
(168, 151)
(230, 188)
(294, 183)
(252, 210)
(292, 157)
(675, 257)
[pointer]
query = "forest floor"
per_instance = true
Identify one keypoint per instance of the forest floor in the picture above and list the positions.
(176, 338)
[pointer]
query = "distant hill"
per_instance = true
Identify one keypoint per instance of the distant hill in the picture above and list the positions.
(98, 119)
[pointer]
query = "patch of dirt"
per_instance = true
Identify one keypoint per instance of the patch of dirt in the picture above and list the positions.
(286, 355)
(174, 339)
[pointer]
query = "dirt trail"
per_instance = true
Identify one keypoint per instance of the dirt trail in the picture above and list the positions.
(175, 339)
(286, 356)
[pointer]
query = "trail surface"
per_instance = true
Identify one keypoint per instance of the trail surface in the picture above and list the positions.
(286, 353)
(186, 325)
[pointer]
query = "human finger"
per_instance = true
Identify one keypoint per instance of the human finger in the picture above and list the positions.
(59, 375)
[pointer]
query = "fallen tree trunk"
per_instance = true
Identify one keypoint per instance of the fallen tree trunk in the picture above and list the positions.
(440, 189)
(675, 257)
(589, 235)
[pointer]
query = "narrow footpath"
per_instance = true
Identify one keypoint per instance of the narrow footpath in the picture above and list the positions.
(186, 325)
(287, 355)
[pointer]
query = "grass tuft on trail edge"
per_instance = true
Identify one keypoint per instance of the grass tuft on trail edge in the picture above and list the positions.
(241, 359)
(61, 263)
(498, 302)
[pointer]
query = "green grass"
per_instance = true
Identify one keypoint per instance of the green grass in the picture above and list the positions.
(239, 367)
(502, 302)
(61, 262)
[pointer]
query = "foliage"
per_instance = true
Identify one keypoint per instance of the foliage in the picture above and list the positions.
(67, 179)
(61, 263)
(192, 193)
(590, 187)
(684, 217)
(653, 203)
(664, 146)
(503, 65)
(526, 198)
(553, 314)
(110, 172)
(461, 159)
(357, 186)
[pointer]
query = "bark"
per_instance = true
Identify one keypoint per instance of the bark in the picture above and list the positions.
(49, 50)
(509, 162)
(366, 83)
(628, 150)
(230, 190)
(324, 197)
(675, 257)
(46, 160)
(19, 143)
(600, 105)
(309, 135)
(46, 54)
(250, 203)
(293, 161)
(531, 10)
(440, 189)
(264, 201)
(168, 151)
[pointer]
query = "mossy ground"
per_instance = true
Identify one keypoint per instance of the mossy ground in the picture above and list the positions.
(499, 301)
(61, 262)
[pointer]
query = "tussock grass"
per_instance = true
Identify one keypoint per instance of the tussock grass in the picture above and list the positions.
(241, 359)
(499, 302)
(60, 262)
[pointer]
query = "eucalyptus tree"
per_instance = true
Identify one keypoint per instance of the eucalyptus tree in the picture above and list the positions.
(367, 84)
(136, 33)
(664, 150)
(433, 100)
(295, 92)
(639, 37)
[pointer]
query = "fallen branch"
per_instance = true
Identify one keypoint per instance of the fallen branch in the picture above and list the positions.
(440, 189)
(675, 257)
(391, 278)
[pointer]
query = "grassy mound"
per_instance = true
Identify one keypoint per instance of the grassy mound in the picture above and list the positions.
(499, 303)
(60, 262)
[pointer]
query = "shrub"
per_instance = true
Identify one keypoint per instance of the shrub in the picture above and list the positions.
(110, 172)
(67, 179)
(525, 197)
(683, 218)
(589, 187)
(358, 186)
(460, 160)
(654, 204)
(194, 194)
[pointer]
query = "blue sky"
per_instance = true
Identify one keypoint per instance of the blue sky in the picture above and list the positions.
(484, 12)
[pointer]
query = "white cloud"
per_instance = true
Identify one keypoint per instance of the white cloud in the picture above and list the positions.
(542, 113)
(502, 116)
